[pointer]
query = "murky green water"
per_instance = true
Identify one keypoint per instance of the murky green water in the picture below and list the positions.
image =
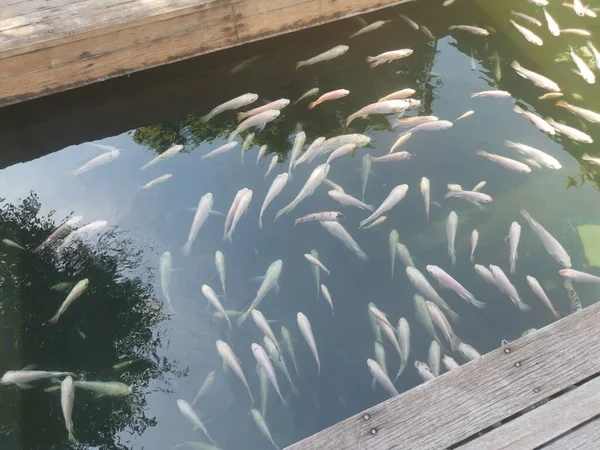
(123, 314)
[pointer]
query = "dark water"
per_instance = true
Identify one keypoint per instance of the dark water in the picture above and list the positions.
(123, 314)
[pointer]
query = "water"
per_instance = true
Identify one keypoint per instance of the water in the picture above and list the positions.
(123, 313)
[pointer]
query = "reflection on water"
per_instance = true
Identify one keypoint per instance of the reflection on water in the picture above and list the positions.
(123, 315)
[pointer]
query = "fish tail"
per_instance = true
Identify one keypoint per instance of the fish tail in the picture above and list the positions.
(54, 319)
(525, 214)
(231, 136)
(242, 318)
(513, 264)
(72, 438)
(477, 304)
(311, 105)
(453, 257)
(481, 153)
(523, 307)
(400, 370)
(206, 118)
(518, 109)
(260, 223)
(281, 212)
(453, 316)
(455, 343)
(450, 194)
(515, 65)
(300, 64)
(186, 248)
(350, 118)
(472, 258)
(241, 116)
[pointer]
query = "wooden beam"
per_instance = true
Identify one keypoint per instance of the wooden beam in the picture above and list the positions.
(456, 406)
(582, 438)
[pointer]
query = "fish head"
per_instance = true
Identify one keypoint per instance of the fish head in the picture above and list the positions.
(340, 216)
(563, 259)
(255, 347)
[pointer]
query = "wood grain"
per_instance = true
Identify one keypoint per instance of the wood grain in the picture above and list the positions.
(541, 425)
(465, 401)
(582, 438)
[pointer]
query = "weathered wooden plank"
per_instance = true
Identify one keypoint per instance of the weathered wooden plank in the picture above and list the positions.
(463, 402)
(541, 425)
(582, 438)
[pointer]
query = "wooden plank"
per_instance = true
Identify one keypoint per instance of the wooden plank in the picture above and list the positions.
(465, 401)
(582, 438)
(541, 425)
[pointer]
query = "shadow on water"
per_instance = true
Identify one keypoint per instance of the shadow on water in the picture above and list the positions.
(116, 319)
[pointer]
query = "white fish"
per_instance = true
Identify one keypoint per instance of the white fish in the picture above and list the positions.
(240, 210)
(169, 153)
(435, 356)
(595, 52)
(423, 316)
(404, 343)
(581, 277)
(411, 23)
(277, 359)
(395, 196)
(398, 95)
(465, 115)
(393, 242)
(424, 371)
(328, 96)
(470, 29)
(260, 422)
(585, 72)
(277, 104)
(539, 156)
(276, 187)
(166, 266)
(474, 241)
(212, 298)
(496, 93)
(423, 286)
(514, 234)
(269, 282)
(573, 133)
(309, 93)
(552, 25)
(398, 156)
(450, 363)
(371, 27)
(316, 271)
(365, 171)
(537, 79)
(433, 125)
(374, 322)
(440, 321)
(265, 363)
(204, 208)
(238, 102)
(454, 187)
(578, 8)
(576, 32)
(220, 264)
(375, 223)
(264, 389)
(259, 120)
(287, 340)
(390, 333)
(208, 382)
(298, 146)
(528, 34)
(327, 297)
(232, 361)
(325, 216)
(504, 285)
(263, 325)
(222, 149)
(24, 378)
(315, 179)
(336, 51)
(315, 261)
(590, 159)
(307, 333)
(232, 209)
(105, 388)
(526, 18)
(75, 293)
(99, 160)
(339, 232)
(335, 142)
(413, 121)
(451, 225)
(479, 186)
(348, 200)
(484, 273)
(427, 32)
(400, 141)
(63, 230)
(82, 232)
(473, 196)
(262, 151)
(67, 398)
(248, 142)
(157, 180)
(380, 358)
(272, 165)
(505, 162)
(551, 245)
(426, 192)
(539, 292)
(189, 413)
(446, 280)
(341, 151)
(590, 116)
(379, 374)
(388, 57)
(468, 352)
(387, 107)
(404, 255)
(536, 120)
(311, 151)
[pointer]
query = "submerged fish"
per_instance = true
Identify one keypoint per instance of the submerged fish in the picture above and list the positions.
(24, 378)
(424, 371)
(590, 116)
(261, 424)
(451, 225)
(404, 255)
(496, 93)
(470, 29)
(238, 102)
(425, 187)
(387, 107)
(67, 398)
(166, 267)
(474, 241)
(61, 231)
(339, 232)
(423, 286)
(440, 321)
(526, 18)
(535, 78)
(393, 198)
(348, 200)
(212, 298)
(208, 382)
(398, 95)
(298, 146)
(259, 120)
(222, 149)
(315, 179)
(537, 155)
(435, 356)
(514, 234)
(311, 152)
(189, 413)
(287, 340)
(468, 352)
(169, 153)
(100, 160)
(157, 180)
(332, 95)
(307, 333)
(336, 51)
(327, 297)
(379, 374)
(277, 104)
(505, 286)
(316, 271)
(446, 280)
(393, 242)
(371, 27)
(528, 34)
(309, 93)
(271, 165)
(265, 363)
(552, 25)
(539, 292)
(388, 57)
(536, 120)
(232, 361)
(583, 70)
(365, 171)
(240, 209)
(315, 261)
(507, 163)
(572, 133)
(276, 187)
(325, 216)
(105, 388)
(220, 265)
(204, 208)
(404, 343)
(579, 276)
(552, 246)
(75, 293)
(269, 283)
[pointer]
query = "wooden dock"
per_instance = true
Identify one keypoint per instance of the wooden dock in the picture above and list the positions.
(539, 392)
(48, 46)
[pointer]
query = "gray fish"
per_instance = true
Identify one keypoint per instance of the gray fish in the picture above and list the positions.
(204, 208)
(539, 292)
(451, 225)
(393, 241)
(75, 293)
(395, 196)
(435, 356)
(67, 398)
(232, 361)
(238, 102)
(315, 179)
(189, 413)
(379, 374)
(269, 282)
(276, 187)
(259, 121)
(339, 232)
(306, 330)
(208, 382)
(260, 422)
(287, 340)
(324, 216)
(552, 246)
(220, 264)
(423, 286)
(309, 93)
(169, 153)
(336, 51)
(316, 271)
(299, 141)
(505, 286)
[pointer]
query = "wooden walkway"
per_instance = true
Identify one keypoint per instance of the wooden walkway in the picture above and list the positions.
(49, 46)
(539, 392)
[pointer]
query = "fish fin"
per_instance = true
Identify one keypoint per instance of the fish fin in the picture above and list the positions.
(373, 384)
(24, 385)
(72, 438)
(276, 288)
(400, 370)
(54, 319)
(478, 304)
(453, 316)
(523, 307)
(216, 213)
(225, 367)
(311, 105)
(241, 116)
(186, 249)
(455, 343)
(30, 367)
(300, 64)
(450, 194)
(206, 118)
